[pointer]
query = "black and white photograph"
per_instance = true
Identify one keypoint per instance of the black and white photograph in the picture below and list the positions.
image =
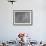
(22, 16)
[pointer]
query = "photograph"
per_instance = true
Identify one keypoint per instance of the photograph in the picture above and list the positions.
(22, 17)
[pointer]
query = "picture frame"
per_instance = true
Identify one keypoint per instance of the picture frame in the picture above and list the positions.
(22, 17)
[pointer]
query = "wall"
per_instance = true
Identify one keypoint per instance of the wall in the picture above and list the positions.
(37, 31)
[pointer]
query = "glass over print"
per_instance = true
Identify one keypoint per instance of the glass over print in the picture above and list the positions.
(22, 16)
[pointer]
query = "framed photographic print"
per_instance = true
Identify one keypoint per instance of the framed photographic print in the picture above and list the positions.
(22, 17)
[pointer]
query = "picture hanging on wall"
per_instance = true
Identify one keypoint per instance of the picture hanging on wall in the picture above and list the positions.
(22, 17)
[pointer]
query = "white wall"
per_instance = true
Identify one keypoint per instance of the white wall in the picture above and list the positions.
(38, 30)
